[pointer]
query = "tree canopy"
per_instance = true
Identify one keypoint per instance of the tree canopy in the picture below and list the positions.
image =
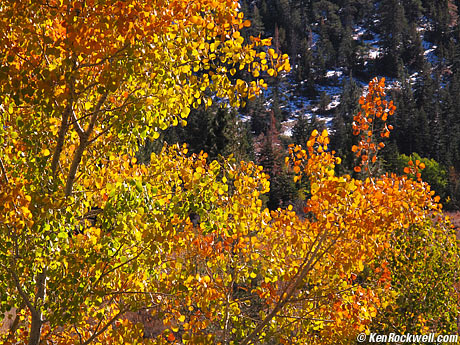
(87, 234)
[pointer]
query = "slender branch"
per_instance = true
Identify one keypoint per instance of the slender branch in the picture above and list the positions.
(106, 264)
(95, 113)
(90, 86)
(61, 136)
(103, 329)
(286, 296)
(150, 293)
(15, 324)
(78, 333)
(24, 296)
(83, 143)
(75, 123)
(4, 171)
(120, 265)
(104, 59)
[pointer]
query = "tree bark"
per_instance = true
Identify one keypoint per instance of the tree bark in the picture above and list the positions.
(37, 317)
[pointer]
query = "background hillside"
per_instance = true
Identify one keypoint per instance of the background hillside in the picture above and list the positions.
(335, 48)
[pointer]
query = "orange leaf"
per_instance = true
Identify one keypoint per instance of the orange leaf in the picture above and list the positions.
(358, 169)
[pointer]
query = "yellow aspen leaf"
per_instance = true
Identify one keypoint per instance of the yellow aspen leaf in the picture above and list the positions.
(195, 19)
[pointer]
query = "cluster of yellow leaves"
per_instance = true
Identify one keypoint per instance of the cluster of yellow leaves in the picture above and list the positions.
(82, 82)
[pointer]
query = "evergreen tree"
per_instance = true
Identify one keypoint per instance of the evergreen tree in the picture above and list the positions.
(405, 118)
(324, 101)
(342, 138)
(392, 28)
(271, 157)
(413, 53)
(413, 10)
(257, 26)
(303, 128)
(346, 54)
(240, 143)
(439, 14)
(259, 117)
(450, 128)
(215, 130)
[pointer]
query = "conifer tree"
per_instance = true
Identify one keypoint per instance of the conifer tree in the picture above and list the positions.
(259, 118)
(303, 128)
(393, 28)
(342, 139)
(405, 118)
(270, 155)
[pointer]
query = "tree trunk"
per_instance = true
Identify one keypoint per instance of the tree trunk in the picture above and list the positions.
(37, 320)
(36, 328)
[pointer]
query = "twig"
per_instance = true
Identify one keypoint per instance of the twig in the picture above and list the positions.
(4, 171)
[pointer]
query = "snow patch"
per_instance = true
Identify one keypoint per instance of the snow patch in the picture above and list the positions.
(333, 73)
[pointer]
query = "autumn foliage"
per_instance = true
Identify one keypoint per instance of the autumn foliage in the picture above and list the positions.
(88, 235)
